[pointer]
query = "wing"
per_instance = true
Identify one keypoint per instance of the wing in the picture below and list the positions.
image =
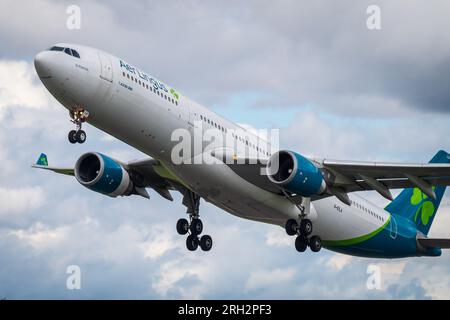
(343, 177)
(152, 174)
(352, 176)
(146, 173)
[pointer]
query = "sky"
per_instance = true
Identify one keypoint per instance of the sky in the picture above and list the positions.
(314, 70)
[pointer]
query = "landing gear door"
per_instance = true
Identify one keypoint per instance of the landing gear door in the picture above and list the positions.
(106, 72)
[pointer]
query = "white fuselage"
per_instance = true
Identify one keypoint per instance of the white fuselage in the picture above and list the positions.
(124, 102)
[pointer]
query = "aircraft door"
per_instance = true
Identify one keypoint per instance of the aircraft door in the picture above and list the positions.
(104, 91)
(106, 71)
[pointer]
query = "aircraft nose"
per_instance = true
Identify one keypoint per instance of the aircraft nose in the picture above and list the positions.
(42, 64)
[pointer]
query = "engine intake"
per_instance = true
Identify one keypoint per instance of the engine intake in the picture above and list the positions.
(102, 174)
(295, 174)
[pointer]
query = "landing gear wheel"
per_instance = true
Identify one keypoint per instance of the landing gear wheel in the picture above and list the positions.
(301, 244)
(71, 136)
(182, 226)
(196, 227)
(291, 227)
(306, 227)
(315, 243)
(192, 242)
(80, 136)
(206, 242)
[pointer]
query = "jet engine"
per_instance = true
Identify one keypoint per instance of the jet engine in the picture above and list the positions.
(102, 174)
(296, 174)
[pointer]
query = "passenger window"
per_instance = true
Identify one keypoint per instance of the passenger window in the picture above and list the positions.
(128, 76)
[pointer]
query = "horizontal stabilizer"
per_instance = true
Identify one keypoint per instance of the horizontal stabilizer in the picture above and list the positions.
(42, 163)
(435, 243)
(67, 171)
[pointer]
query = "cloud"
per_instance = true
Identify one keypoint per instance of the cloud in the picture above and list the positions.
(264, 278)
(40, 236)
(16, 78)
(161, 241)
(277, 238)
(339, 261)
(411, 290)
(20, 200)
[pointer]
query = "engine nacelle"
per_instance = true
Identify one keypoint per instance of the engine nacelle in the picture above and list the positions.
(102, 174)
(295, 174)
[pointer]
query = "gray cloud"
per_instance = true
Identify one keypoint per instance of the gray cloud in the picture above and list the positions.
(298, 53)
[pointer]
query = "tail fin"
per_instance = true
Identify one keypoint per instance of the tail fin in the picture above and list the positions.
(413, 204)
(42, 160)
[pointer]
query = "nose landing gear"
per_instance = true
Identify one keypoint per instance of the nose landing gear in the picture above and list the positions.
(78, 116)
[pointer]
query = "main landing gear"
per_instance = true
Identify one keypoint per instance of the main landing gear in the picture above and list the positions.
(78, 116)
(194, 226)
(302, 227)
(303, 230)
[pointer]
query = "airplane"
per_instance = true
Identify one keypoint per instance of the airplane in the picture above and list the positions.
(313, 199)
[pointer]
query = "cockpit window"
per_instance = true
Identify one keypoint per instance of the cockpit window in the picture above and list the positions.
(68, 51)
(56, 48)
(75, 53)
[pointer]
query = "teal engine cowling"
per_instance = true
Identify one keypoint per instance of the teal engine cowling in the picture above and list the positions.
(102, 174)
(296, 174)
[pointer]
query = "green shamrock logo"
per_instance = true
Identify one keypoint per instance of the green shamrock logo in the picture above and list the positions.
(43, 161)
(174, 93)
(426, 207)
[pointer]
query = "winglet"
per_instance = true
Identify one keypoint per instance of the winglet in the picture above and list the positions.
(42, 160)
